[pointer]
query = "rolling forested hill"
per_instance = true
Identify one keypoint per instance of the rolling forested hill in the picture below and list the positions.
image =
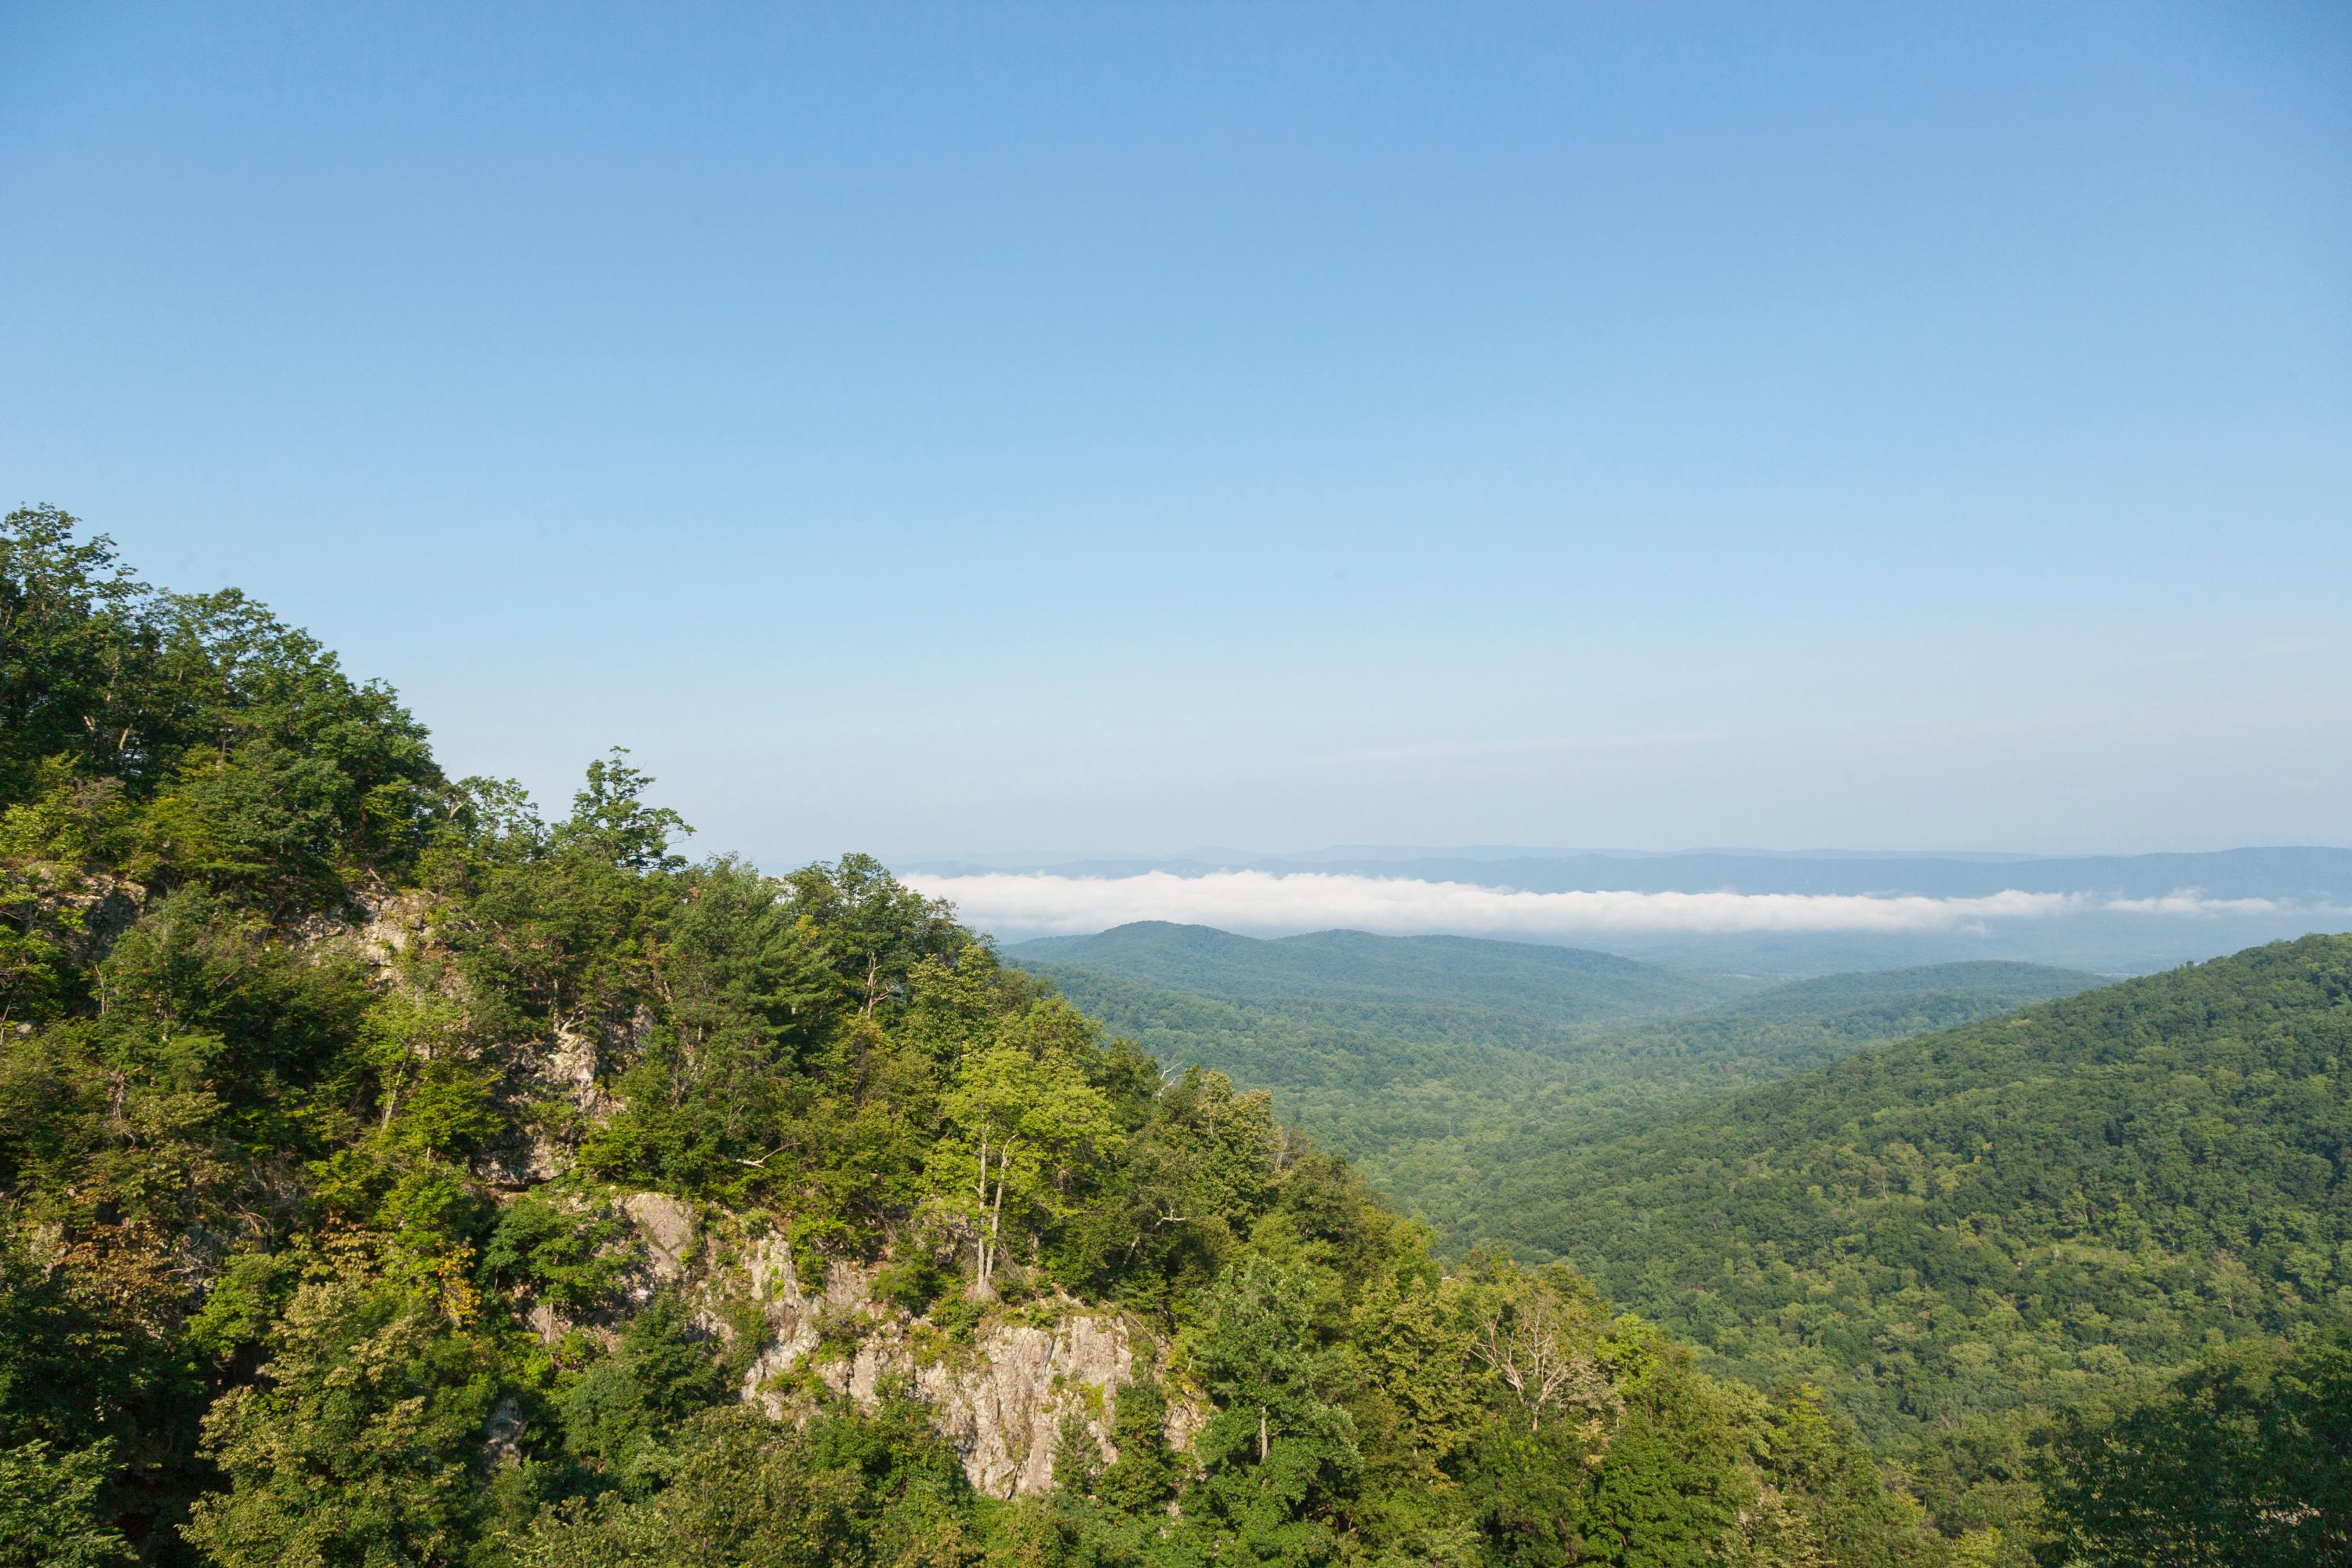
(1957, 1232)
(1420, 1058)
(1468, 986)
(1373, 1043)
(1634, 1075)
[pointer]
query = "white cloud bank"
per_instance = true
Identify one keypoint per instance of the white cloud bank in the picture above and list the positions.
(1316, 900)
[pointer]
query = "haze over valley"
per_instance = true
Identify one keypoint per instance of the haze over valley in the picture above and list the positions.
(1792, 913)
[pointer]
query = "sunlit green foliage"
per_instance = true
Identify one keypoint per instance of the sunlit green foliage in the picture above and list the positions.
(328, 1082)
(48, 1508)
(1456, 1073)
(2082, 1187)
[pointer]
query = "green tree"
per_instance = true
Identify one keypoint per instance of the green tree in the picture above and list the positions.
(364, 1441)
(845, 1492)
(49, 1514)
(870, 928)
(617, 1411)
(2244, 1460)
(1279, 1453)
(1018, 1128)
(72, 640)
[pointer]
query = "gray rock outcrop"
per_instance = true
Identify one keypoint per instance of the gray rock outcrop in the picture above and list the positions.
(1000, 1400)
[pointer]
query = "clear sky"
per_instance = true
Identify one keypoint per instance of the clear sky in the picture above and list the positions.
(983, 427)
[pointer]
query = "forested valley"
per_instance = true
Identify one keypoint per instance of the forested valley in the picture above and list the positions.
(1983, 1206)
(1454, 1071)
(392, 1175)
(1963, 1234)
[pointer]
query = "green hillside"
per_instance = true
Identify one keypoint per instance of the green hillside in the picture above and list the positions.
(1418, 1058)
(1436, 985)
(1374, 1044)
(1631, 1075)
(2010, 1216)
(390, 1176)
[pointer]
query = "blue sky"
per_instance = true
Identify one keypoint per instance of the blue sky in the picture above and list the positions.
(990, 427)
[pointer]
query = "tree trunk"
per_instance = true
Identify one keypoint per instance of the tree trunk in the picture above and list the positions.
(979, 1237)
(996, 1210)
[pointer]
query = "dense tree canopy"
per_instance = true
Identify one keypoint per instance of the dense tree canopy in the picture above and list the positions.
(2243, 1461)
(334, 1095)
(1961, 1234)
(1459, 1074)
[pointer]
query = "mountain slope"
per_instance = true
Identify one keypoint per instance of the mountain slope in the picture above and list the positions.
(1416, 1055)
(1373, 1042)
(389, 1175)
(1451, 981)
(2016, 1213)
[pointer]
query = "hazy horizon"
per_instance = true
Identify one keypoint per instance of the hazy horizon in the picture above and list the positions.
(1207, 854)
(1788, 914)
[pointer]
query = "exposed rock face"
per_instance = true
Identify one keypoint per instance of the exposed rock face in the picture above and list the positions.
(391, 925)
(1186, 1416)
(1000, 1401)
(502, 1435)
(791, 1320)
(667, 1226)
(106, 906)
(83, 912)
(565, 1064)
(1003, 1410)
(546, 1323)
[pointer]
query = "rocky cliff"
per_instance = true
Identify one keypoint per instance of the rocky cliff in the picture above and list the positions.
(1005, 1392)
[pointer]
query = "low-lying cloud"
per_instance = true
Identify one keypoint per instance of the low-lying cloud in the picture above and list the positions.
(1315, 900)
(2192, 903)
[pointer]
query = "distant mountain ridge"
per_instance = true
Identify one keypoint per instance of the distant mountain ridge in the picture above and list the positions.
(1560, 983)
(2114, 915)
